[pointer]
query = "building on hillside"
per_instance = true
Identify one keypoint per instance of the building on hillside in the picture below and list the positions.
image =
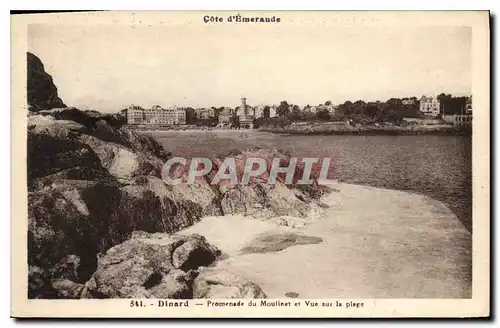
(429, 106)
(245, 114)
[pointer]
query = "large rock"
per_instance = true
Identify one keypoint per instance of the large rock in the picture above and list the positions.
(257, 198)
(174, 214)
(200, 193)
(71, 217)
(39, 284)
(42, 93)
(57, 144)
(145, 266)
(68, 289)
(122, 162)
(41, 124)
(74, 173)
(219, 284)
(107, 127)
(48, 154)
(87, 217)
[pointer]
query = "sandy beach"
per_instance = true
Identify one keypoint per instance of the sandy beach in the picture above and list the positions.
(376, 243)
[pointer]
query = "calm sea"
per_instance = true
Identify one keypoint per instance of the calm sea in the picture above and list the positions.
(436, 166)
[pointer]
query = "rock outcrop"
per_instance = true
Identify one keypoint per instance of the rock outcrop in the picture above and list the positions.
(151, 266)
(256, 198)
(42, 93)
(92, 183)
(216, 283)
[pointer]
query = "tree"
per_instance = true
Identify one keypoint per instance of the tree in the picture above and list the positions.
(283, 109)
(372, 111)
(445, 103)
(328, 103)
(323, 114)
(191, 116)
(345, 110)
(266, 112)
(296, 114)
(217, 111)
(235, 121)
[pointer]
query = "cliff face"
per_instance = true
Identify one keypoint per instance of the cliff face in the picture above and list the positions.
(42, 93)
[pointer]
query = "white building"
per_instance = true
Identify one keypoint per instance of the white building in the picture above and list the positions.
(272, 111)
(156, 115)
(245, 114)
(429, 106)
(135, 114)
(329, 108)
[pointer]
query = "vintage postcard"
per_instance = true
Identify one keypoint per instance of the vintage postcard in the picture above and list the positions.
(250, 164)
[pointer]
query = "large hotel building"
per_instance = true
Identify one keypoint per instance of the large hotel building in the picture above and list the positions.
(156, 115)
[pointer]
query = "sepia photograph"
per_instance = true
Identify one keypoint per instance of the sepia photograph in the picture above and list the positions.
(181, 162)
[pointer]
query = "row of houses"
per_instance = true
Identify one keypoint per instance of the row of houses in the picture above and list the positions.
(245, 114)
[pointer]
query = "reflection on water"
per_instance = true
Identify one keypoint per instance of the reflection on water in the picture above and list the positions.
(436, 166)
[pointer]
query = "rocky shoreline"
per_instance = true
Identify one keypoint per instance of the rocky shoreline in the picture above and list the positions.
(383, 129)
(92, 185)
(101, 221)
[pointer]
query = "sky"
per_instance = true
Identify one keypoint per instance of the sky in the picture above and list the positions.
(107, 67)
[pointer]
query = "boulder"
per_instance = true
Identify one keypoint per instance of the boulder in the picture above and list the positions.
(67, 289)
(260, 199)
(193, 253)
(219, 284)
(284, 201)
(71, 217)
(48, 154)
(143, 266)
(143, 144)
(39, 284)
(108, 128)
(207, 197)
(71, 114)
(122, 162)
(67, 268)
(57, 128)
(74, 173)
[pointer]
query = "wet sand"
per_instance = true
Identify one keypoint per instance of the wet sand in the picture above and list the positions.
(375, 243)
